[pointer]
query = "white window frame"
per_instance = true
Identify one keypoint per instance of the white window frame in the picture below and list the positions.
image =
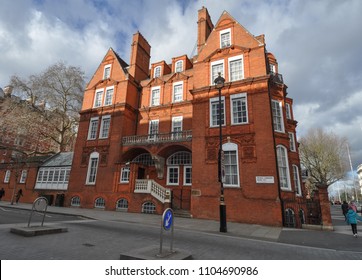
(213, 75)
(232, 59)
(288, 111)
(284, 172)
(75, 201)
(235, 97)
(153, 99)
(174, 85)
(176, 134)
(24, 174)
(93, 128)
(105, 76)
(157, 71)
(184, 179)
(179, 68)
(108, 98)
(213, 101)
(7, 176)
(176, 167)
(152, 135)
(122, 204)
(100, 202)
(277, 112)
(229, 147)
(223, 32)
(125, 173)
(104, 131)
(98, 98)
(292, 142)
(92, 170)
(296, 178)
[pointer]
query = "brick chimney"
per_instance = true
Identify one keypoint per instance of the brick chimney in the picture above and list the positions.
(205, 26)
(140, 57)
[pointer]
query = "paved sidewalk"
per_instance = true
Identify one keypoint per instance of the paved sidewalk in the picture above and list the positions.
(340, 239)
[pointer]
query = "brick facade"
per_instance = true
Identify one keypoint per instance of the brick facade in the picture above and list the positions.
(162, 129)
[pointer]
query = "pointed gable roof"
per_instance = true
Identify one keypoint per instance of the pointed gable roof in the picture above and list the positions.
(111, 54)
(241, 38)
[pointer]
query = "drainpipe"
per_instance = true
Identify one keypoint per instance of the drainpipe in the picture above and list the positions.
(275, 151)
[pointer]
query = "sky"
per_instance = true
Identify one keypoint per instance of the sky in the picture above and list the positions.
(317, 43)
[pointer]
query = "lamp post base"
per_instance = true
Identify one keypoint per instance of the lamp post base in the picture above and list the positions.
(223, 227)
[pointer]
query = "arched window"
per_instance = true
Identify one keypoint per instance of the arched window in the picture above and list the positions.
(296, 178)
(100, 203)
(289, 218)
(148, 207)
(231, 165)
(145, 159)
(92, 168)
(122, 204)
(283, 165)
(179, 158)
(75, 201)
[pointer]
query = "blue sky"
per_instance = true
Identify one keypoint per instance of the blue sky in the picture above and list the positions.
(317, 44)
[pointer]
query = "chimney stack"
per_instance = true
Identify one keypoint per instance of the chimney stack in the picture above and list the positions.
(205, 26)
(140, 57)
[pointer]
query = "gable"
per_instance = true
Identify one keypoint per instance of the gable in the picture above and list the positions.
(240, 37)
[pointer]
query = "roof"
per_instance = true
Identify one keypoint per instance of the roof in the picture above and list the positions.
(61, 159)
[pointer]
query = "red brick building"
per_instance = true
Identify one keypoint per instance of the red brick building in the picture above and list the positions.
(149, 134)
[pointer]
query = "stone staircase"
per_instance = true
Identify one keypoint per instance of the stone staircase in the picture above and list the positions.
(182, 213)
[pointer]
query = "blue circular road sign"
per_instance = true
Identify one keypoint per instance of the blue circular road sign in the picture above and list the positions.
(167, 219)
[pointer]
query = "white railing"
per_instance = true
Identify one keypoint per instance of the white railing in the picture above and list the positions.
(153, 188)
(180, 136)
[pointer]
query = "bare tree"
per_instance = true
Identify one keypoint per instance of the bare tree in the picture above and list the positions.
(324, 155)
(59, 90)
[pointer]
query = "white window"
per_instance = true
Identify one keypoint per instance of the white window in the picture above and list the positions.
(216, 68)
(93, 128)
(231, 165)
(176, 127)
(172, 175)
(92, 168)
(109, 96)
(107, 71)
(283, 166)
(225, 38)
(125, 171)
(153, 129)
(100, 203)
(292, 142)
(287, 111)
(187, 175)
(157, 72)
(122, 204)
(7, 176)
(214, 111)
(272, 68)
(179, 66)
(277, 116)
(239, 108)
(177, 92)
(75, 201)
(296, 178)
(155, 96)
(23, 176)
(236, 68)
(105, 124)
(148, 207)
(98, 98)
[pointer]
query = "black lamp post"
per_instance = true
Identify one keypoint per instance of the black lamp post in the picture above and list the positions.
(219, 84)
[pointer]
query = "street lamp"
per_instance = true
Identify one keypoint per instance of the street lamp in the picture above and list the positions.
(219, 84)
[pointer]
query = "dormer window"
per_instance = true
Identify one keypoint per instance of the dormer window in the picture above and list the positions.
(107, 71)
(157, 72)
(179, 66)
(225, 38)
(272, 68)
